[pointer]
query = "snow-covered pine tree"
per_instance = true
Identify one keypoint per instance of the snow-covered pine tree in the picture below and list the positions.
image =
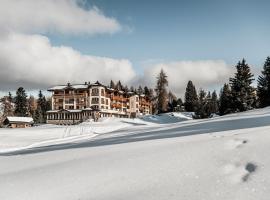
(21, 103)
(225, 100)
(191, 98)
(242, 91)
(263, 88)
(161, 92)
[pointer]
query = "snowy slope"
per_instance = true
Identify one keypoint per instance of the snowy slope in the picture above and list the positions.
(222, 158)
(17, 139)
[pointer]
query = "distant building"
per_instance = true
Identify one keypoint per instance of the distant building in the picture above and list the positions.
(18, 122)
(79, 102)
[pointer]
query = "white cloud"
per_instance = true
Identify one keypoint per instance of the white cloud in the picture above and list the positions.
(31, 60)
(205, 73)
(62, 16)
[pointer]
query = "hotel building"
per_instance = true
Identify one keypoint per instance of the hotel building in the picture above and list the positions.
(79, 102)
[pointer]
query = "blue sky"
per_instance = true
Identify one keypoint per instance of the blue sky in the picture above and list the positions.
(55, 42)
(181, 30)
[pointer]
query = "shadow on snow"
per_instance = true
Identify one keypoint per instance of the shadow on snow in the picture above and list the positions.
(207, 126)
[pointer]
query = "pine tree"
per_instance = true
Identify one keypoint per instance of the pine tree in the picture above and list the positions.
(119, 85)
(10, 98)
(263, 89)
(172, 102)
(42, 108)
(161, 92)
(151, 94)
(179, 102)
(226, 104)
(112, 84)
(31, 106)
(7, 108)
(146, 91)
(21, 103)
(191, 98)
(203, 107)
(126, 89)
(140, 90)
(242, 91)
(131, 89)
(214, 102)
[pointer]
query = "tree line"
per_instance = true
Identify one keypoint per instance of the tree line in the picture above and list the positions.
(237, 95)
(23, 106)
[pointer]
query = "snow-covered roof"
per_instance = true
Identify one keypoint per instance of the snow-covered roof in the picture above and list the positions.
(57, 87)
(97, 83)
(79, 86)
(75, 86)
(21, 119)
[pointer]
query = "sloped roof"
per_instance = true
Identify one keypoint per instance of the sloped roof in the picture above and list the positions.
(20, 119)
(57, 87)
(62, 87)
(80, 86)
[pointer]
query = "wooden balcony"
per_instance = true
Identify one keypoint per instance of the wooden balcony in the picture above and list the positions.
(69, 95)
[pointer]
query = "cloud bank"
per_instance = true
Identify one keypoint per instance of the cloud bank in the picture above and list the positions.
(204, 74)
(28, 59)
(62, 16)
(31, 60)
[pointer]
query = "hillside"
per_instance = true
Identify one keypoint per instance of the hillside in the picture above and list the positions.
(221, 158)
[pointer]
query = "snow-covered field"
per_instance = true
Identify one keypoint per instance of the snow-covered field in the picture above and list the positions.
(158, 157)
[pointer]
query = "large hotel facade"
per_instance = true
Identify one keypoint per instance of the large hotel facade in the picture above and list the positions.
(79, 102)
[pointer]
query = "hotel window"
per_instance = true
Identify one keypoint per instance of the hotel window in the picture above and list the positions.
(102, 101)
(95, 100)
(94, 92)
(102, 92)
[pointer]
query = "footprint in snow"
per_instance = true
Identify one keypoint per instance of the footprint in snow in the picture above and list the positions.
(239, 173)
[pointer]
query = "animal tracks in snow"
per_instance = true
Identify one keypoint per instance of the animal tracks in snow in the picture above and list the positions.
(236, 143)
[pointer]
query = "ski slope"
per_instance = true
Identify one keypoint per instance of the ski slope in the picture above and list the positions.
(221, 158)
